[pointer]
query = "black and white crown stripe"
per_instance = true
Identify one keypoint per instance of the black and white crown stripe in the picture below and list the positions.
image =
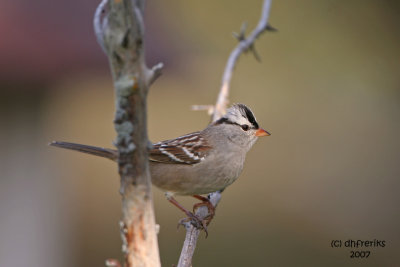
(239, 114)
(247, 113)
(188, 149)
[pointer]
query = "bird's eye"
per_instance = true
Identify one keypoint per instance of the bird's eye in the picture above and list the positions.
(245, 127)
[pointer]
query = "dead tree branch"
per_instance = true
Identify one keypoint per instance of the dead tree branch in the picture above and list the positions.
(245, 44)
(192, 233)
(217, 111)
(119, 31)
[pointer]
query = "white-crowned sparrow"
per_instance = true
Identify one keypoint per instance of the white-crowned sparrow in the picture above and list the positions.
(200, 162)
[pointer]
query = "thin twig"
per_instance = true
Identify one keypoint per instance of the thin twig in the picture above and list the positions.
(209, 108)
(192, 233)
(99, 26)
(112, 263)
(156, 72)
(121, 36)
(244, 45)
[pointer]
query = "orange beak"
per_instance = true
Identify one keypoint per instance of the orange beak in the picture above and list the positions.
(261, 132)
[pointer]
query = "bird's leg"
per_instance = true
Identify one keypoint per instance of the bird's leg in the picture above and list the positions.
(205, 202)
(196, 221)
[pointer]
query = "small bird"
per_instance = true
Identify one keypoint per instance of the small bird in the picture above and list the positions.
(197, 163)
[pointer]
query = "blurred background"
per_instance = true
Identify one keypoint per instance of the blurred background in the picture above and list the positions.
(328, 89)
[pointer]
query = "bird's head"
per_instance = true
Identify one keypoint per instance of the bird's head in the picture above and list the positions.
(241, 125)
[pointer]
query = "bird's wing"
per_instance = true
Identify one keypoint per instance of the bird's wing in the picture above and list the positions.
(188, 149)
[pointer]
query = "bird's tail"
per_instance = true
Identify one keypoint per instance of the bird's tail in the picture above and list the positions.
(93, 150)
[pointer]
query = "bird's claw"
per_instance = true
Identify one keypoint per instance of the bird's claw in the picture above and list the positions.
(211, 210)
(195, 221)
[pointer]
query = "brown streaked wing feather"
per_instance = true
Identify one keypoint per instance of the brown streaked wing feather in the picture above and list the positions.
(182, 150)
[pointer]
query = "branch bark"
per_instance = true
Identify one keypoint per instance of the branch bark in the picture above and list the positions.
(192, 233)
(217, 111)
(119, 29)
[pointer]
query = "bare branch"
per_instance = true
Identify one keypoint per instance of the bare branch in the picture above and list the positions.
(112, 263)
(99, 25)
(244, 45)
(156, 72)
(192, 233)
(121, 35)
(209, 108)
